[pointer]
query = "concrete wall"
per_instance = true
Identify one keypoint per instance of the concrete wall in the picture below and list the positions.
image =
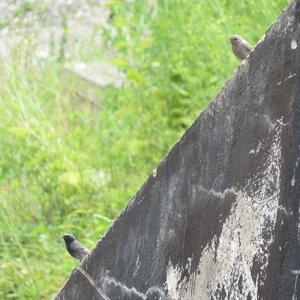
(219, 217)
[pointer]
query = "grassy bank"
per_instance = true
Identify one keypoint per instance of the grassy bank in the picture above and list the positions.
(64, 168)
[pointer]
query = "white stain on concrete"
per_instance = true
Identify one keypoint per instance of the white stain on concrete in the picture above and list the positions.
(216, 193)
(293, 179)
(154, 173)
(173, 278)
(132, 292)
(294, 45)
(129, 291)
(287, 78)
(226, 261)
(296, 273)
(258, 147)
(291, 76)
(268, 121)
(138, 265)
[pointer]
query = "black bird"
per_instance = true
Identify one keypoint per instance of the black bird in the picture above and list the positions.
(75, 249)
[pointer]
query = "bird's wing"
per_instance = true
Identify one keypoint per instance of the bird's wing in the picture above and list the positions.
(79, 250)
(247, 46)
(78, 247)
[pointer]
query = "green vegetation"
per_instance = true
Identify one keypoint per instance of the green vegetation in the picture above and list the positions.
(65, 168)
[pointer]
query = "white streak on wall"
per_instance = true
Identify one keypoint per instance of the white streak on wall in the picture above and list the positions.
(154, 173)
(287, 78)
(293, 179)
(128, 291)
(226, 261)
(295, 286)
(216, 193)
(294, 45)
(131, 291)
(173, 277)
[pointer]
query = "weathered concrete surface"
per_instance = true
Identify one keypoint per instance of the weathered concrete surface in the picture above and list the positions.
(219, 218)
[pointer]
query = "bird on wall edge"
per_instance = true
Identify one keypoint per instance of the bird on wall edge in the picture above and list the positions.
(240, 47)
(75, 249)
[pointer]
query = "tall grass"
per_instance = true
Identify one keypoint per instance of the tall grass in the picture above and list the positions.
(65, 168)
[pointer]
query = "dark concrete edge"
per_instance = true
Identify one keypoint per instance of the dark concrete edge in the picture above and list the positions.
(214, 104)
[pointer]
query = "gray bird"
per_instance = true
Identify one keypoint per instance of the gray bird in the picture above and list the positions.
(240, 47)
(75, 249)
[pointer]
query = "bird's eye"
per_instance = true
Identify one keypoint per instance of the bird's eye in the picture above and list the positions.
(235, 39)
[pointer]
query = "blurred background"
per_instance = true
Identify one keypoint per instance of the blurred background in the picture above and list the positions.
(93, 94)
